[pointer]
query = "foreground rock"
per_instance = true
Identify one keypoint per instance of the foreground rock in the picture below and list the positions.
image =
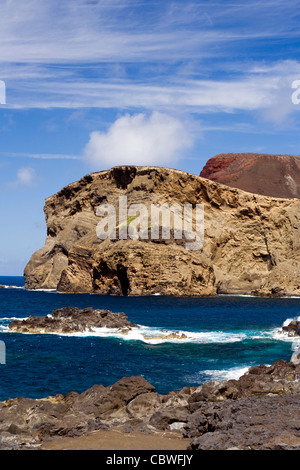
(251, 242)
(261, 410)
(131, 402)
(269, 175)
(72, 320)
(256, 423)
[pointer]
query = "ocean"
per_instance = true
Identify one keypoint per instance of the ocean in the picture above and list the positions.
(221, 338)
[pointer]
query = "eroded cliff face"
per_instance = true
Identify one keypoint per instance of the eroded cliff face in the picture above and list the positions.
(251, 242)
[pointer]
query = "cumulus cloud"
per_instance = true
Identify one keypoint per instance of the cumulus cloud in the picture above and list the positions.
(138, 140)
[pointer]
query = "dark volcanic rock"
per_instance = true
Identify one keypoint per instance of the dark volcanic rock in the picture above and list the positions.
(261, 410)
(280, 377)
(162, 418)
(110, 402)
(71, 320)
(257, 423)
(269, 175)
(28, 422)
(292, 329)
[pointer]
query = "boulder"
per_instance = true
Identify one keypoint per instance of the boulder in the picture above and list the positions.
(257, 423)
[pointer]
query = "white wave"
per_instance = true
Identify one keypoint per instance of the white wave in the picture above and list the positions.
(283, 336)
(153, 336)
(288, 320)
(280, 335)
(236, 295)
(13, 318)
(158, 336)
(41, 290)
(29, 290)
(13, 287)
(233, 373)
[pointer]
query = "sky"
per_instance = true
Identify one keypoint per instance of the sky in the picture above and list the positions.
(86, 85)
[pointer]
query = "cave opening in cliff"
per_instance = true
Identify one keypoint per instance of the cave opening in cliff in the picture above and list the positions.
(123, 279)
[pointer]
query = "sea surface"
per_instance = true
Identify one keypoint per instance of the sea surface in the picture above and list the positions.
(221, 338)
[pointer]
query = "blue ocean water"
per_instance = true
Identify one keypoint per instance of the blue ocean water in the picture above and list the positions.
(224, 336)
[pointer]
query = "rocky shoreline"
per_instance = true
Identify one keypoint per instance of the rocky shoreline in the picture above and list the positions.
(259, 411)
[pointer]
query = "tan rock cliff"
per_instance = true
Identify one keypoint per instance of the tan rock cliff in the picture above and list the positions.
(251, 242)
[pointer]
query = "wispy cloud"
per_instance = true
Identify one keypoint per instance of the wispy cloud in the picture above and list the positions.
(265, 88)
(40, 156)
(119, 30)
(137, 55)
(25, 177)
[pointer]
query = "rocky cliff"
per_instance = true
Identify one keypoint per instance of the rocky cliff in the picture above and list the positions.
(269, 175)
(251, 242)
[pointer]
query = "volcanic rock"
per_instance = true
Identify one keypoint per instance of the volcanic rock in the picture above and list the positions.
(257, 423)
(270, 175)
(258, 411)
(71, 320)
(292, 328)
(251, 242)
(280, 377)
(129, 402)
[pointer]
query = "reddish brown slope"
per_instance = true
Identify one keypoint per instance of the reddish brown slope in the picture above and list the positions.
(269, 175)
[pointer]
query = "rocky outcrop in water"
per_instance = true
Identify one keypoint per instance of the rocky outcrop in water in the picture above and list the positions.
(292, 328)
(251, 242)
(269, 175)
(72, 320)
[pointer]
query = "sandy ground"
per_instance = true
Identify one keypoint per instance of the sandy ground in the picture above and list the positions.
(117, 440)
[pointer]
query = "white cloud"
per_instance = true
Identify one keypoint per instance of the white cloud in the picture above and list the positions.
(83, 54)
(138, 140)
(39, 156)
(26, 176)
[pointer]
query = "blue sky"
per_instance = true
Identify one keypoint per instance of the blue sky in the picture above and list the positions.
(91, 84)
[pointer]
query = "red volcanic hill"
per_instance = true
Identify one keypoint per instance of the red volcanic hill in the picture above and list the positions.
(269, 175)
